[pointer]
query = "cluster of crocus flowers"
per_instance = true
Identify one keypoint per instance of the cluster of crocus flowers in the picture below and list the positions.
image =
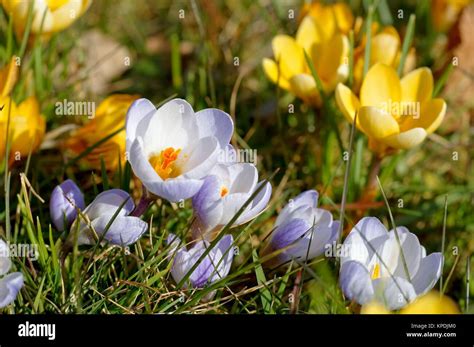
(327, 49)
(178, 154)
(214, 266)
(390, 268)
(302, 231)
(25, 130)
(224, 192)
(106, 218)
(49, 16)
(10, 283)
(108, 120)
(394, 113)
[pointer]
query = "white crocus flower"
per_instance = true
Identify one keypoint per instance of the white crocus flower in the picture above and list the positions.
(172, 149)
(215, 266)
(223, 194)
(376, 267)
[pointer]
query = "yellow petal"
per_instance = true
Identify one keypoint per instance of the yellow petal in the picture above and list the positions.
(304, 87)
(344, 17)
(376, 123)
(374, 308)
(308, 34)
(329, 58)
(384, 49)
(432, 303)
(347, 102)
(381, 85)
(417, 85)
(289, 55)
(55, 4)
(407, 139)
(5, 103)
(28, 127)
(8, 77)
(326, 19)
(431, 115)
(271, 70)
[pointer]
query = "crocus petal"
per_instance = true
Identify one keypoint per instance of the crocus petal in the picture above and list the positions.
(174, 189)
(377, 123)
(411, 251)
(202, 274)
(271, 70)
(367, 230)
(173, 242)
(224, 262)
(288, 54)
(308, 198)
(344, 17)
(304, 86)
(394, 292)
(347, 102)
(216, 123)
(202, 158)
(140, 164)
(385, 48)
(108, 202)
(314, 243)
(5, 262)
(64, 201)
(355, 282)
(308, 34)
(214, 266)
(10, 285)
(391, 250)
(232, 204)
(136, 113)
(428, 273)
(431, 115)
(417, 86)
(207, 204)
(380, 85)
(172, 125)
(405, 140)
(123, 231)
(180, 265)
(432, 303)
(288, 232)
(329, 57)
(258, 204)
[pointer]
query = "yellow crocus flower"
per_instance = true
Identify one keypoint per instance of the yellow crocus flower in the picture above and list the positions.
(27, 128)
(385, 48)
(290, 70)
(109, 118)
(394, 113)
(331, 17)
(431, 303)
(8, 77)
(58, 14)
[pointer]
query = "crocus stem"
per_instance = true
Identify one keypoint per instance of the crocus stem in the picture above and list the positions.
(142, 206)
(371, 187)
(296, 292)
